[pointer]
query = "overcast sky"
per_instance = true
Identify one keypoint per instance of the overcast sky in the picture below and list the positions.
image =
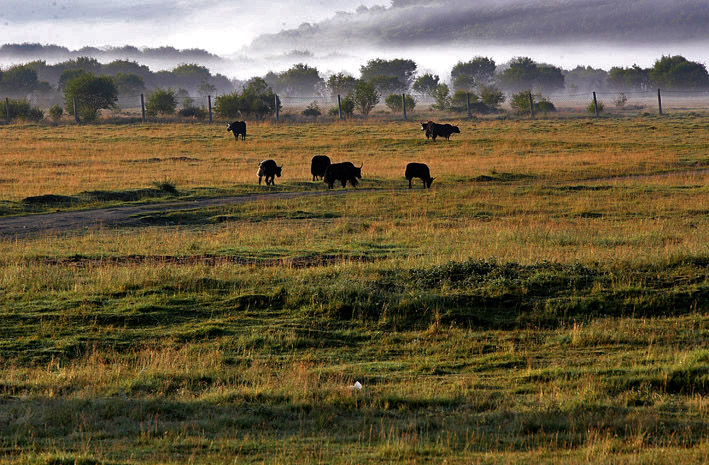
(221, 27)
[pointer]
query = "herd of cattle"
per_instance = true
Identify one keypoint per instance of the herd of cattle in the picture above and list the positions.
(322, 168)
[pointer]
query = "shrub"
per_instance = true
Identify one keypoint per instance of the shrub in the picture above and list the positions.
(365, 97)
(312, 110)
(591, 108)
(348, 106)
(442, 97)
(394, 103)
(520, 103)
(620, 101)
(161, 102)
(459, 101)
(92, 93)
(56, 112)
(227, 106)
(491, 96)
(190, 110)
(21, 109)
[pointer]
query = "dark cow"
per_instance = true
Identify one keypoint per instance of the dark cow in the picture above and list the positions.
(237, 127)
(342, 172)
(419, 170)
(424, 127)
(269, 170)
(318, 166)
(444, 130)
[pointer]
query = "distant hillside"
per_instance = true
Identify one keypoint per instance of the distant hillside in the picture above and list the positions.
(50, 52)
(417, 22)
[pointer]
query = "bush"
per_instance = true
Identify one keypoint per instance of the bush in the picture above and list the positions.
(56, 112)
(348, 106)
(620, 101)
(256, 100)
(92, 93)
(161, 102)
(520, 103)
(193, 112)
(491, 96)
(591, 108)
(459, 101)
(312, 110)
(365, 97)
(21, 109)
(442, 97)
(394, 103)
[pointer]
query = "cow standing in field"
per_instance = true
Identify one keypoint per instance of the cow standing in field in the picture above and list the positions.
(434, 130)
(237, 127)
(419, 170)
(269, 170)
(342, 172)
(318, 166)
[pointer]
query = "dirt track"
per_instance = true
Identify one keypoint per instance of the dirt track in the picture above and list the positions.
(22, 226)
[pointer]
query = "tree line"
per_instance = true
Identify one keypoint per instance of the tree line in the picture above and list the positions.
(479, 84)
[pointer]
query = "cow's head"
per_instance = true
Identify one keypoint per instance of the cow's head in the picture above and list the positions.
(358, 171)
(424, 126)
(278, 170)
(429, 181)
(455, 129)
(229, 127)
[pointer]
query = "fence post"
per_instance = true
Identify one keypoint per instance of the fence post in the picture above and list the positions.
(76, 113)
(209, 104)
(339, 105)
(7, 109)
(403, 101)
(595, 103)
(142, 106)
(659, 101)
(531, 104)
(467, 95)
(275, 100)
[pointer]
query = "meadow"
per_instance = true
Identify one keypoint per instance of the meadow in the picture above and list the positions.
(545, 302)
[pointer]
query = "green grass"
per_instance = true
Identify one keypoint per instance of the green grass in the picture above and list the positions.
(546, 302)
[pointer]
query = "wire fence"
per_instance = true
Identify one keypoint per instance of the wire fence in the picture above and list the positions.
(594, 104)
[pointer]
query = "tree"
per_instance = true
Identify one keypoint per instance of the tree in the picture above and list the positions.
(300, 79)
(585, 79)
(387, 84)
(633, 78)
(401, 69)
(56, 112)
(366, 97)
(129, 84)
(206, 89)
(70, 74)
(348, 105)
(20, 79)
(473, 74)
(492, 96)
(523, 73)
(426, 84)
(341, 84)
(678, 73)
(227, 105)
(442, 97)
(92, 94)
(394, 103)
(161, 102)
(459, 100)
(258, 100)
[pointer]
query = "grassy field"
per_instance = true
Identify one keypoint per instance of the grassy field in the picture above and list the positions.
(545, 302)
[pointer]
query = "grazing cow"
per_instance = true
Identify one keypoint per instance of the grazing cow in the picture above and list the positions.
(444, 130)
(419, 170)
(237, 127)
(318, 166)
(342, 172)
(269, 170)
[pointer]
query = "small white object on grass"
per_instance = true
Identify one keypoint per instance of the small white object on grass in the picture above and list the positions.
(357, 386)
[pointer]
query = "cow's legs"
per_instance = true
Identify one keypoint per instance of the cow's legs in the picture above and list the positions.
(409, 183)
